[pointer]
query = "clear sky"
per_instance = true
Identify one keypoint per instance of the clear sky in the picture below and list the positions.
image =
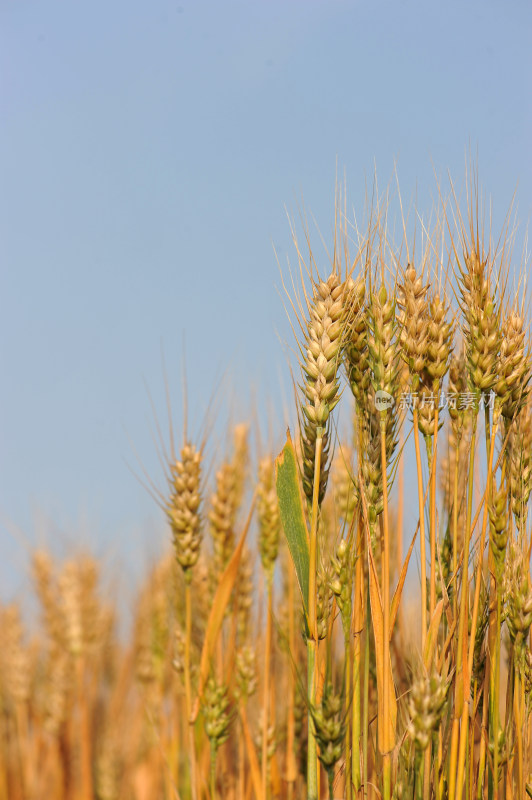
(148, 152)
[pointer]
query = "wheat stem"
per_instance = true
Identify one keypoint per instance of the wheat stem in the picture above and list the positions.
(348, 745)
(365, 720)
(266, 695)
(312, 645)
(422, 541)
(483, 737)
(462, 674)
(358, 628)
(188, 690)
(291, 773)
(387, 677)
(433, 507)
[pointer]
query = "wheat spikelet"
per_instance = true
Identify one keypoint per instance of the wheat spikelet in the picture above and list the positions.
(341, 581)
(413, 323)
(244, 595)
(83, 617)
(514, 368)
(356, 339)
(323, 601)
(345, 489)
(520, 464)
(438, 351)
(44, 580)
(217, 712)
(246, 672)
(481, 322)
(225, 501)
(383, 370)
(330, 727)
(499, 528)
(518, 600)
(382, 342)
(322, 350)
(269, 519)
(425, 707)
(15, 664)
(479, 654)
(182, 508)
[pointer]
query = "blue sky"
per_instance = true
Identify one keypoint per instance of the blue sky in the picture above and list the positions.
(148, 152)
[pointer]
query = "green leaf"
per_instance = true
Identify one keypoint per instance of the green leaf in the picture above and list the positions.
(292, 519)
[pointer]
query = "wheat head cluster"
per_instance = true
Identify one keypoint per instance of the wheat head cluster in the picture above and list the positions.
(344, 614)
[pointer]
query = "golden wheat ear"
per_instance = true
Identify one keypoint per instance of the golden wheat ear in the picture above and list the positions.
(183, 507)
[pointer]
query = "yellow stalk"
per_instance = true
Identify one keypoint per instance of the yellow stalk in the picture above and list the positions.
(312, 644)
(485, 517)
(422, 544)
(439, 771)
(387, 678)
(483, 737)
(455, 528)
(358, 626)
(519, 708)
(266, 695)
(347, 746)
(433, 510)
(188, 693)
(290, 767)
(400, 511)
(474, 619)
(461, 678)
(85, 733)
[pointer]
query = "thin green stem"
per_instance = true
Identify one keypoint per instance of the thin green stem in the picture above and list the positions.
(419, 775)
(214, 751)
(330, 781)
(520, 701)
(312, 752)
(426, 772)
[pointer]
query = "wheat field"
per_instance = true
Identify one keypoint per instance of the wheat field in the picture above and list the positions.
(274, 651)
